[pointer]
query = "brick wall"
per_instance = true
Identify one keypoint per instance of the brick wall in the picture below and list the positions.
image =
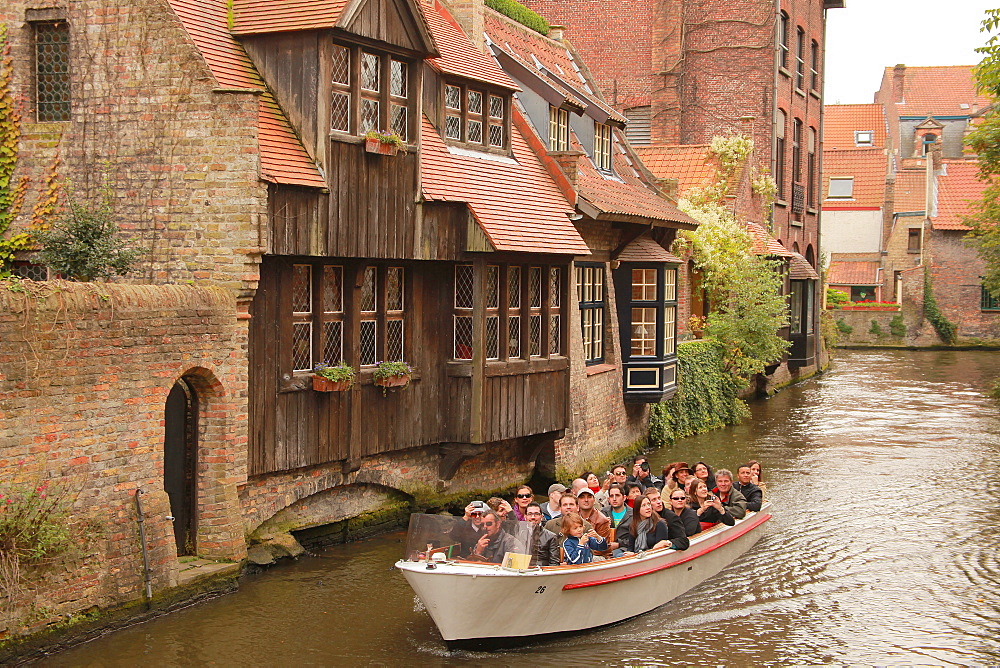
(956, 272)
(181, 157)
(85, 370)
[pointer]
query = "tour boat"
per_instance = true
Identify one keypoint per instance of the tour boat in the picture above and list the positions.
(482, 603)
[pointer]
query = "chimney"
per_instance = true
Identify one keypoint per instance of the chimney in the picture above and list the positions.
(557, 32)
(470, 15)
(569, 162)
(898, 81)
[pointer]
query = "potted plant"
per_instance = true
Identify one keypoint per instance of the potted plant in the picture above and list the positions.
(383, 143)
(392, 374)
(697, 324)
(333, 377)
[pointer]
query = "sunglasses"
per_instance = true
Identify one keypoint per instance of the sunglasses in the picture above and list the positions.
(524, 496)
(476, 513)
(677, 498)
(489, 524)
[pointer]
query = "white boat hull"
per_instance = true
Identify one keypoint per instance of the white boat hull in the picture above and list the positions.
(470, 601)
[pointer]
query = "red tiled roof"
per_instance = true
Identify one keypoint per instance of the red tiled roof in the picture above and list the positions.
(799, 268)
(522, 209)
(692, 165)
(909, 191)
(853, 273)
(841, 121)
(867, 166)
(764, 243)
(283, 158)
(458, 55)
(262, 16)
(935, 90)
(956, 189)
(527, 44)
(644, 249)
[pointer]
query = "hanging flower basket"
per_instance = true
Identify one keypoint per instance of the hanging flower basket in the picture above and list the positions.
(392, 381)
(321, 384)
(383, 143)
(392, 375)
(333, 377)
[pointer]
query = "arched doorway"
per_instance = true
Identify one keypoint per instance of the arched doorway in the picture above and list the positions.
(180, 447)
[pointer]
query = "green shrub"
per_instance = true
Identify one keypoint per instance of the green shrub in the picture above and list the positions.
(521, 14)
(946, 329)
(707, 395)
(843, 327)
(897, 326)
(835, 298)
(876, 330)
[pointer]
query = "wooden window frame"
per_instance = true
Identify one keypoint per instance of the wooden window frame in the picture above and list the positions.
(814, 67)
(465, 115)
(603, 141)
(558, 129)
(783, 40)
(987, 302)
(384, 96)
(797, 150)
(590, 306)
(800, 58)
(779, 153)
(811, 167)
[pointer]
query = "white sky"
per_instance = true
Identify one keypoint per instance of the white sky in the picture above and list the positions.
(869, 35)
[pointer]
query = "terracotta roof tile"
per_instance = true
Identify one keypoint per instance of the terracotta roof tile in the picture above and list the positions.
(692, 165)
(283, 158)
(853, 273)
(799, 269)
(841, 121)
(521, 210)
(934, 90)
(458, 55)
(644, 249)
(909, 191)
(529, 45)
(764, 243)
(867, 166)
(956, 189)
(262, 16)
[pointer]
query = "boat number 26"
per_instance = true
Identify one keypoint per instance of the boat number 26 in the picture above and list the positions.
(540, 590)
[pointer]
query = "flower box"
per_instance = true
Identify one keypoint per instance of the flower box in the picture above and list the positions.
(321, 384)
(870, 307)
(380, 147)
(392, 381)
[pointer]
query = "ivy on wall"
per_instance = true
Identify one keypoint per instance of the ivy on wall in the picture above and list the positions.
(945, 328)
(707, 396)
(11, 190)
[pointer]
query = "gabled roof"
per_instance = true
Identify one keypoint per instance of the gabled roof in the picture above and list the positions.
(841, 121)
(626, 196)
(459, 57)
(956, 189)
(867, 167)
(283, 158)
(909, 191)
(853, 273)
(937, 90)
(644, 249)
(764, 243)
(514, 201)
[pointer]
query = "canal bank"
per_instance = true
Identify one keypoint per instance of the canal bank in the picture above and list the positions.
(832, 582)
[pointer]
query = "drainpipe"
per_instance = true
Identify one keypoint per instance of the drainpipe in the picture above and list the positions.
(147, 574)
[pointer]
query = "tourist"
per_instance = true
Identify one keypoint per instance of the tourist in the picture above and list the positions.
(551, 509)
(735, 503)
(757, 476)
(494, 543)
(633, 490)
(656, 499)
(600, 491)
(676, 476)
(579, 542)
(649, 531)
(641, 474)
(708, 507)
(469, 531)
(617, 511)
(522, 498)
(751, 492)
(501, 506)
(586, 500)
(544, 542)
(703, 472)
(577, 485)
(678, 506)
(567, 504)
(619, 475)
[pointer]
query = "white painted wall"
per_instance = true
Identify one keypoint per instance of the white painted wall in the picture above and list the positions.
(851, 231)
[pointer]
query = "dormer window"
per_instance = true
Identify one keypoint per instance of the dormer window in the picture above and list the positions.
(369, 91)
(558, 129)
(475, 116)
(602, 146)
(864, 138)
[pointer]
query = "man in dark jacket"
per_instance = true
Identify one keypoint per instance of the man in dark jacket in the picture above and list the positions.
(619, 513)
(732, 500)
(544, 542)
(494, 542)
(641, 475)
(751, 492)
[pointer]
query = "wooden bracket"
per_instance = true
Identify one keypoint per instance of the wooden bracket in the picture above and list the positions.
(629, 237)
(453, 454)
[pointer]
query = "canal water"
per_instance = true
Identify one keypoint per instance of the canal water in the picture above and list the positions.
(885, 474)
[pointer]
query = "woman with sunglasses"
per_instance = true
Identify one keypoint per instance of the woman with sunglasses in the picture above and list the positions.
(522, 498)
(678, 506)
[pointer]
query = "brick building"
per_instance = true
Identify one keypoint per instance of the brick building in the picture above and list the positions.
(276, 235)
(683, 72)
(898, 179)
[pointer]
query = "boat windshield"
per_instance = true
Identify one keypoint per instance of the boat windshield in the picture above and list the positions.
(446, 537)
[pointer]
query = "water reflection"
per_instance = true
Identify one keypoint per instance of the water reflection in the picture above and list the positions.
(884, 549)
